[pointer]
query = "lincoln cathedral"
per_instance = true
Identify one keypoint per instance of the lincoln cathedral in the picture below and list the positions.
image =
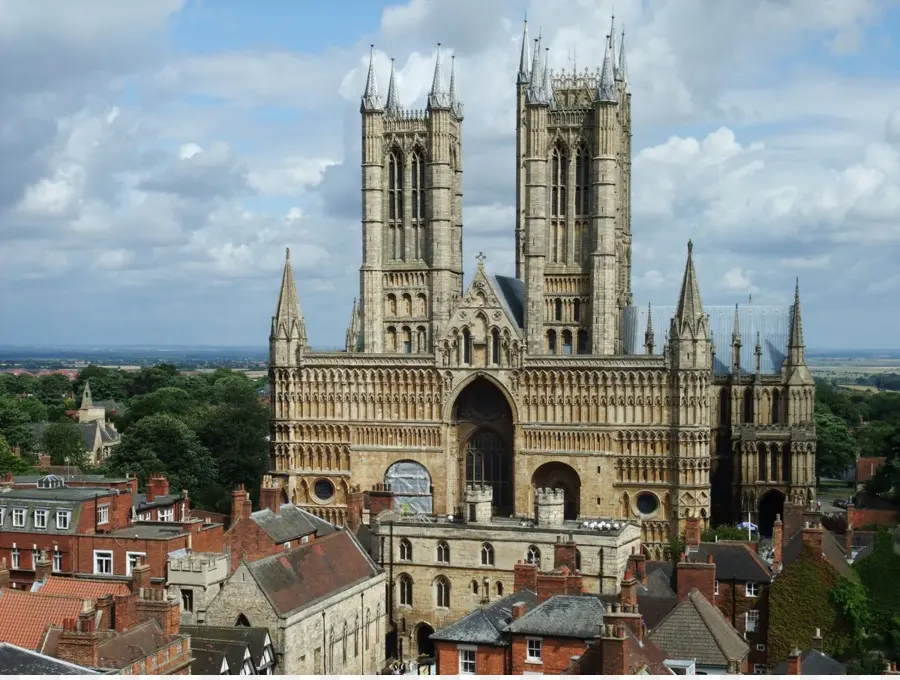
(550, 379)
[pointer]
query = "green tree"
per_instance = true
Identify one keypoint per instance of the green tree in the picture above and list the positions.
(17, 385)
(9, 462)
(53, 389)
(724, 532)
(164, 444)
(876, 438)
(879, 572)
(852, 602)
(836, 448)
(106, 383)
(152, 378)
(64, 444)
(14, 425)
(675, 548)
(171, 400)
(34, 409)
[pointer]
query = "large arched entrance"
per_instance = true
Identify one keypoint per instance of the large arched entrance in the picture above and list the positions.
(484, 426)
(770, 505)
(424, 643)
(560, 476)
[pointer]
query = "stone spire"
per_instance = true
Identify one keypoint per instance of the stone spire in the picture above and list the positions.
(606, 91)
(546, 85)
(648, 336)
(288, 323)
(534, 95)
(622, 70)
(690, 308)
(371, 100)
(353, 329)
(796, 345)
(392, 107)
(757, 352)
(455, 105)
(612, 45)
(524, 58)
(438, 98)
(736, 331)
(87, 399)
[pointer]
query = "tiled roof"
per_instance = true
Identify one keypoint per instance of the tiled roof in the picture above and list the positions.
(118, 650)
(652, 609)
(209, 654)
(288, 525)
(17, 661)
(24, 616)
(569, 616)
(735, 561)
(832, 552)
(814, 662)
(85, 589)
(645, 655)
(254, 638)
(301, 576)
(696, 629)
(486, 625)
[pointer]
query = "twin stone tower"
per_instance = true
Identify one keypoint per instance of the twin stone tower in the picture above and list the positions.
(551, 378)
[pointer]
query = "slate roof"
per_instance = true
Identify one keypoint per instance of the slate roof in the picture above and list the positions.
(486, 626)
(304, 575)
(119, 650)
(814, 662)
(254, 638)
(24, 616)
(772, 323)
(82, 588)
(660, 580)
(289, 524)
(735, 561)
(831, 551)
(696, 629)
(512, 297)
(209, 654)
(562, 616)
(653, 609)
(18, 661)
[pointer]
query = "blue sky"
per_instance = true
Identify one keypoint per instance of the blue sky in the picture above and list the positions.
(157, 156)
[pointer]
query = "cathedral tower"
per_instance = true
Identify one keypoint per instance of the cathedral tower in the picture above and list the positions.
(573, 230)
(411, 275)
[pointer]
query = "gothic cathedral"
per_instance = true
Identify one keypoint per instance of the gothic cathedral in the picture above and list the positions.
(549, 379)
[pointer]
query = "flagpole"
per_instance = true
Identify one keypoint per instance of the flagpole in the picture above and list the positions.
(749, 531)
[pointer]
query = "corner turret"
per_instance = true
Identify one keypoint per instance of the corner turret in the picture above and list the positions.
(371, 100)
(287, 341)
(689, 334)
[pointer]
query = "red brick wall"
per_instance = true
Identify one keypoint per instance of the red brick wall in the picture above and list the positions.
(488, 660)
(857, 518)
(24, 576)
(246, 540)
(733, 602)
(556, 655)
(702, 576)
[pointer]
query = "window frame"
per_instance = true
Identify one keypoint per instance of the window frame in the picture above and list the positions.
(103, 514)
(716, 587)
(56, 561)
(532, 644)
(166, 514)
(112, 566)
(44, 514)
(487, 555)
(759, 669)
(128, 558)
(17, 513)
(751, 589)
(464, 662)
(67, 515)
(754, 618)
(405, 550)
(15, 557)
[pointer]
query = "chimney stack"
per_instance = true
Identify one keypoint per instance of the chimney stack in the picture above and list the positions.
(692, 532)
(269, 495)
(793, 662)
(79, 642)
(140, 576)
(628, 593)
(777, 541)
(813, 537)
(614, 654)
(157, 485)
(565, 553)
(43, 567)
(699, 575)
(817, 640)
(518, 609)
(525, 577)
(238, 498)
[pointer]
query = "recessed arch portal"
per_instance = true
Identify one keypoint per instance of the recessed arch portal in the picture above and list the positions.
(424, 643)
(557, 475)
(484, 422)
(770, 505)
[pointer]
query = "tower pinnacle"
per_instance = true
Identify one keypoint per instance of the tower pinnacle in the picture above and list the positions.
(455, 105)
(606, 92)
(547, 86)
(535, 94)
(796, 345)
(371, 101)
(622, 70)
(523, 76)
(690, 307)
(438, 97)
(288, 323)
(392, 107)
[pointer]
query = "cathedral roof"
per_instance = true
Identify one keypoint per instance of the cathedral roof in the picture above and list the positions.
(773, 323)
(511, 292)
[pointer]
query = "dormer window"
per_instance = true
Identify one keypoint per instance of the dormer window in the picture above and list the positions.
(18, 517)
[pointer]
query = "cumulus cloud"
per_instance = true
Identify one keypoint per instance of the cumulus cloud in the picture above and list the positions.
(172, 179)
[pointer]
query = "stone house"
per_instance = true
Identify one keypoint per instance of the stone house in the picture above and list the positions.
(323, 602)
(194, 579)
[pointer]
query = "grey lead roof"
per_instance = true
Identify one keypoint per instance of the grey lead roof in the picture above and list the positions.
(512, 297)
(254, 638)
(772, 323)
(570, 616)
(486, 625)
(814, 662)
(17, 661)
(289, 524)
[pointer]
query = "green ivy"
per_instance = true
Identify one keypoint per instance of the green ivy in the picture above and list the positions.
(879, 572)
(800, 600)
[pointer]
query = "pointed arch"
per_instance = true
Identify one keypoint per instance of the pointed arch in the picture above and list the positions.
(582, 180)
(417, 201)
(395, 203)
(559, 185)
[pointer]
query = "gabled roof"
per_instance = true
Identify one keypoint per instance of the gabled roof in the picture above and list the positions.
(735, 561)
(660, 580)
(118, 650)
(208, 656)
(82, 588)
(814, 662)
(302, 576)
(486, 625)
(254, 638)
(832, 552)
(18, 661)
(25, 617)
(562, 616)
(289, 524)
(696, 629)
(511, 292)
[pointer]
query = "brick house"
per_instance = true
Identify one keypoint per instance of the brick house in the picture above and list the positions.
(135, 632)
(272, 529)
(542, 627)
(324, 603)
(88, 531)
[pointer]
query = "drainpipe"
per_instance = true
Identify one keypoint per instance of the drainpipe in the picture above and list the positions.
(324, 648)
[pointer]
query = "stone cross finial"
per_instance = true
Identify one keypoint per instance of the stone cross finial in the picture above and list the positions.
(287, 253)
(481, 257)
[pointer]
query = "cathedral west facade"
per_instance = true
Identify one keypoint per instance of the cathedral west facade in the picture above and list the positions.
(552, 378)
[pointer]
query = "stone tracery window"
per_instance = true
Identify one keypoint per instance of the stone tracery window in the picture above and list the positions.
(534, 555)
(486, 462)
(559, 179)
(442, 592)
(487, 555)
(417, 177)
(411, 484)
(405, 590)
(406, 551)
(395, 204)
(443, 552)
